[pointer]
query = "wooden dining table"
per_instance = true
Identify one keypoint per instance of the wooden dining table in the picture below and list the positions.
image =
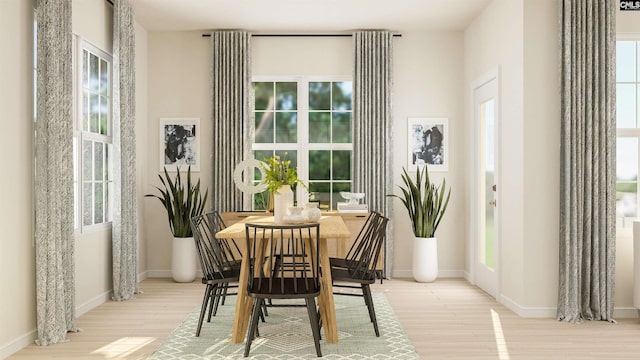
(331, 228)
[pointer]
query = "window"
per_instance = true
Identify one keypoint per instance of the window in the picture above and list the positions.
(92, 136)
(628, 132)
(309, 122)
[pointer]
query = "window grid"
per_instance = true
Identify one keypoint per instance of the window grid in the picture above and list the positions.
(92, 137)
(304, 146)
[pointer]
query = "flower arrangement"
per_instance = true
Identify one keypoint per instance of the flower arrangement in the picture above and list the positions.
(278, 172)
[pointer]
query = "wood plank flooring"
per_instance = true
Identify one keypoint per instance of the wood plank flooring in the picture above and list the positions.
(447, 319)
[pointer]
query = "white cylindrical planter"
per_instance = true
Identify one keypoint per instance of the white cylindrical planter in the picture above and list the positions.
(183, 259)
(425, 259)
(282, 200)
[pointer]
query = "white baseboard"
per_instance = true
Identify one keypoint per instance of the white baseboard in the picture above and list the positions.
(96, 301)
(17, 344)
(528, 312)
(625, 313)
(166, 274)
(441, 273)
(143, 275)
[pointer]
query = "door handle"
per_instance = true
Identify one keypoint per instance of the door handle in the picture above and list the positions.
(492, 202)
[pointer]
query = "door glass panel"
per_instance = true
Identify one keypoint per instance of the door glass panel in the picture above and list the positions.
(487, 119)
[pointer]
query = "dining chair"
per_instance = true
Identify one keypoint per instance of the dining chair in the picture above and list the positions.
(359, 265)
(268, 243)
(218, 260)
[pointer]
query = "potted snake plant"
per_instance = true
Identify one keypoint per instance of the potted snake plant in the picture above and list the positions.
(182, 202)
(426, 204)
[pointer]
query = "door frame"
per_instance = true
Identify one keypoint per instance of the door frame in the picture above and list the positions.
(493, 74)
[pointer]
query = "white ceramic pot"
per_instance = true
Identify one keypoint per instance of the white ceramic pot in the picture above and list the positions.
(183, 259)
(282, 201)
(311, 212)
(425, 259)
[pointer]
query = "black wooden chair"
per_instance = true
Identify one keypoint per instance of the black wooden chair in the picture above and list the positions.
(359, 266)
(267, 244)
(218, 260)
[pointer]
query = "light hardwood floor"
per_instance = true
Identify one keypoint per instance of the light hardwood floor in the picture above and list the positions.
(447, 319)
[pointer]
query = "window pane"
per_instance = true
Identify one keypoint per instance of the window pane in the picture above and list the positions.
(104, 77)
(342, 95)
(320, 192)
(104, 115)
(319, 165)
(625, 105)
(85, 111)
(87, 157)
(85, 69)
(98, 162)
(320, 96)
(341, 165)
(287, 94)
(263, 95)
(341, 127)
(99, 204)
(625, 61)
(286, 127)
(627, 159)
(262, 155)
(87, 203)
(261, 200)
(94, 112)
(319, 127)
(264, 127)
(94, 77)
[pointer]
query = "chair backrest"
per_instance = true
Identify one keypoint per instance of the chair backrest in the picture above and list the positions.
(363, 258)
(231, 250)
(212, 253)
(267, 245)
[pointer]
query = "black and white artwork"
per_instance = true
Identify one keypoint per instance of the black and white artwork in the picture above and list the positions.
(428, 143)
(180, 143)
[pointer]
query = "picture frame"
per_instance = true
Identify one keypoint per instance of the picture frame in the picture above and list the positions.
(179, 144)
(428, 143)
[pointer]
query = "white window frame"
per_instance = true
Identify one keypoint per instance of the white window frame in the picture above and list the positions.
(302, 146)
(632, 132)
(79, 135)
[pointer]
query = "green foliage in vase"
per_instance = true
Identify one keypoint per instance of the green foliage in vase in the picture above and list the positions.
(182, 203)
(424, 201)
(278, 172)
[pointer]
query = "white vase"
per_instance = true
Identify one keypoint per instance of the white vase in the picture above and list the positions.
(183, 259)
(425, 259)
(311, 212)
(282, 200)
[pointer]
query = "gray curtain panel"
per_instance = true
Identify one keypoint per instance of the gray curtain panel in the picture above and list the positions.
(54, 240)
(587, 175)
(124, 231)
(372, 150)
(231, 89)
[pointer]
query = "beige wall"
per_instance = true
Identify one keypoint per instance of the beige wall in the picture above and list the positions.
(17, 303)
(178, 86)
(541, 153)
(92, 20)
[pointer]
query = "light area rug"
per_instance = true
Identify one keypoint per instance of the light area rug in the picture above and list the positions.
(286, 334)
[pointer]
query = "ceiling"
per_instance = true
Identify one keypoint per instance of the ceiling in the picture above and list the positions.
(306, 16)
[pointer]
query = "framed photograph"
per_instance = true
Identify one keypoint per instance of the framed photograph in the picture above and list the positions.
(180, 143)
(428, 143)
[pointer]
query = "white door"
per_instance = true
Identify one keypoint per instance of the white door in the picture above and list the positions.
(486, 241)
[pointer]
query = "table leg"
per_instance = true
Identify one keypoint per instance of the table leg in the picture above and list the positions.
(243, 303)
(325, 299)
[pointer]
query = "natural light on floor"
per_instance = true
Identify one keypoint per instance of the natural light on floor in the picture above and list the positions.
(123, 347)
(503, 352)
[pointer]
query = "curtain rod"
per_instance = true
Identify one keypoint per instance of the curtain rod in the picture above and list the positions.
(301, 35)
